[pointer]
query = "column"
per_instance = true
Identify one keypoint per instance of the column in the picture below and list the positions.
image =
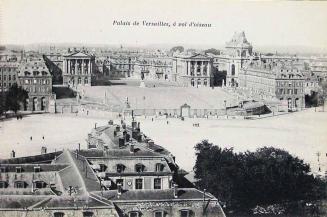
(189, 67)
(68, 66)
(201, 68)
(83, 64)
(75, 67)
(89, 68)
(64, 67)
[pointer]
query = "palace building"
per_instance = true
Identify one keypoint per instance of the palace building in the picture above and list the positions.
(77, 69)
(35, 78)
(192, 70)
(273, 79)
(237, 52)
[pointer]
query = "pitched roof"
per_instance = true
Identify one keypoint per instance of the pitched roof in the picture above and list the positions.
(78, 54)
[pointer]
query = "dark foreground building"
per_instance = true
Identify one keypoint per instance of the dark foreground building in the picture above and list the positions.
(123, 173)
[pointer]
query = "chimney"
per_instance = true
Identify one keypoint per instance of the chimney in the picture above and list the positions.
(119, 189)
(117, 128)
(133, 125)
(131, 148)
(127, 137)
(121, 142)
(138, 125)
(123, 126)
(111, 122)
(175, 190)
(13, 154)
(150, 143)
(43, 150)
(115, 133)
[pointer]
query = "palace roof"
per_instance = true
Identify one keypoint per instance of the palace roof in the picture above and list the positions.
(238, 41)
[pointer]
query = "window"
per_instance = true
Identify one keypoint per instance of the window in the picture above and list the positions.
(88, 214)
(14, 77)
(9, 77)
(18, 169)
(185, 213)
(138, 183)
(19, 184)
(120, 168)
(58, 214)
(39, 184)
(157, 183)
(3, 184)
(5, 77)
(133, 214)
(158, 214)
(35, 81)
(3, 169)
(37, 169)
(139, 168)
(120, 181)
(159, 167)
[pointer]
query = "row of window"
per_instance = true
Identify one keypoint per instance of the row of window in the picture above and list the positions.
(10, 77)
(36, 169)
(289, 91)
(289, 84)
(137, 168)
(7, 69)
(37, 81)
(23, 184)
(5, 85)
(139, 183)
(157, 213)
(37, 89)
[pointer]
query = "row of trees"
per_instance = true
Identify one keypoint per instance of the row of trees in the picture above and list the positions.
(13, 99)
(246, 180)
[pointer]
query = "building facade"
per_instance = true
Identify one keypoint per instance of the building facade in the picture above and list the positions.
(237, 52)
(192, 70)
(8, 75)
(77, 69)
(35, 78)
(273, 79)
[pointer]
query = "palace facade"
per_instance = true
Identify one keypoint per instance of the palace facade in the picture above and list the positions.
(272, 79)
(77, 69)
(192, 70)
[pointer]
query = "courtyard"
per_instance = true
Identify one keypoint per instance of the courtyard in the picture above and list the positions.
(303, 134)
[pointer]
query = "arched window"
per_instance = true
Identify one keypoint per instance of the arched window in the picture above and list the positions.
(139, 168)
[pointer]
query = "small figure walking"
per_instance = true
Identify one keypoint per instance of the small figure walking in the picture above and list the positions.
(31, 138)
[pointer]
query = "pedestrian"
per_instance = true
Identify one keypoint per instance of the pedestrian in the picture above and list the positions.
(167, 122)
(31, 138)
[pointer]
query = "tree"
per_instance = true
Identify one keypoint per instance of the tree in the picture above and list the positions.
(15, 97)
(264, 177)
(177, 48)
(212, 51)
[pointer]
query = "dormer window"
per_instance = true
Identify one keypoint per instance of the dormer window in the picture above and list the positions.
(185, 213)
(159, 167)
(120, 168)
(18, 169)
(133, 214)
(3, 169)
(58, 214)
(19, 184)
(3, 184)
(37, 169)
(139, 168)
(159, 213)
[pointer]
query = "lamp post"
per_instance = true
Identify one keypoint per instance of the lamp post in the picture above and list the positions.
(225, 107)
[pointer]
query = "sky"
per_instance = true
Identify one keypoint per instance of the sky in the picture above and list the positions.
(280, 23)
